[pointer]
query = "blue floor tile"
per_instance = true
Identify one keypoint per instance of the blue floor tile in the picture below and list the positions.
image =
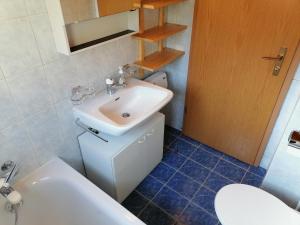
(172, 130)
(230, 171)
(252, 179)
(183, 185)
(258, 171)
(182, 147)
(149, 187)
(211, 150)
(135, 203)
(215, 182)
(170, 201)
(206, 198)
(193, 215)
(195, 171)
(169, 138)
(171, 204)
(236, 162)
(153, 215)
(190, 140)
(173, 159)
(205, 158)
(163, 172)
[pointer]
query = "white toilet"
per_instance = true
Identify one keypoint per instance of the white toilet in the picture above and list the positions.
(239, 204)
(158, 78)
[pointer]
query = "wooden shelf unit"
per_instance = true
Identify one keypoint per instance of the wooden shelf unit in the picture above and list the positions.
(160, 33)
(163, 56)
(155, 4)
(159, 59)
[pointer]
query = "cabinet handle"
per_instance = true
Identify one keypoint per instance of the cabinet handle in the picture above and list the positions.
(142, 140)
(150, 133)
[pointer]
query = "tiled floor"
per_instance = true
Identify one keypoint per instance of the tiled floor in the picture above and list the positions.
(182, 188)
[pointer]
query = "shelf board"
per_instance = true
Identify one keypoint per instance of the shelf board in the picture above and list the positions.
(158, 60)
(160, 33)
(155, 4)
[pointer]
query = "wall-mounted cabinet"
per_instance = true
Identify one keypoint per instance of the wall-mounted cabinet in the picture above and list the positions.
(81, 24)
(79, 10)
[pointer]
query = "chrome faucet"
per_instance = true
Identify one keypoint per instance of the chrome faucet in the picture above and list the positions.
(8, 171)
(113, 84)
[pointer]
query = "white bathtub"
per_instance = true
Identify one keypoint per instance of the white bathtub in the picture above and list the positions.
(56, 194)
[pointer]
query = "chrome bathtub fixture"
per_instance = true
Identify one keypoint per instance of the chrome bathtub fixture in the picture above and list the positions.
(8, 171)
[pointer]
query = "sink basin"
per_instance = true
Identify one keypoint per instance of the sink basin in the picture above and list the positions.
(124, 110)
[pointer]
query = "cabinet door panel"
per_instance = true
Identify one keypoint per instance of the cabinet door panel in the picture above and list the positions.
(134, 164)
(110, 7)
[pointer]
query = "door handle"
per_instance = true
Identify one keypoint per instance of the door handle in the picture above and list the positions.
(278, 60)
(273, 58)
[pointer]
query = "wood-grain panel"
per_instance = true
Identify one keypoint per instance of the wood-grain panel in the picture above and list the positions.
(110, 7)
(231, 90)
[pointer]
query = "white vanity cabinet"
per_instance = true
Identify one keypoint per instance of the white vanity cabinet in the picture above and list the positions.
(119, 165)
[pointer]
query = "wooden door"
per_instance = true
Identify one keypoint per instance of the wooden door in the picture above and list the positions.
(110, 7)
(231, 90)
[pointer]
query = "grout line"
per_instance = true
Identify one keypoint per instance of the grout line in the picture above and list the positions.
(211, 170)
(245, 174)
(164, 185)
(214, 155)
(203, 185)
(182, 196)
(190, 200)
(177, 170)
(200, 145)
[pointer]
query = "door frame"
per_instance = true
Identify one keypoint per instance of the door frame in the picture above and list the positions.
(281, 97)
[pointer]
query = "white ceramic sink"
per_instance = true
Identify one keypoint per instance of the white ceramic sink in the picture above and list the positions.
(124, 110)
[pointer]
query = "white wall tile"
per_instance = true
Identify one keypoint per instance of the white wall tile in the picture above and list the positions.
(43, 34)
(45, 132)
(17, 46)
(66, 120)
(12, 9)
(35, 87)
(31, 91)
(62, 76)
(1, 74)
(35, 6)
(16, 145)
(178, 71)
(9, 112)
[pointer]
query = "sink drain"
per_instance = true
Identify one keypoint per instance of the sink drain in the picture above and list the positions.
(125, 115)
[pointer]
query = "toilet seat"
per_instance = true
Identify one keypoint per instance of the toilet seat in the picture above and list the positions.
(239, 204)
